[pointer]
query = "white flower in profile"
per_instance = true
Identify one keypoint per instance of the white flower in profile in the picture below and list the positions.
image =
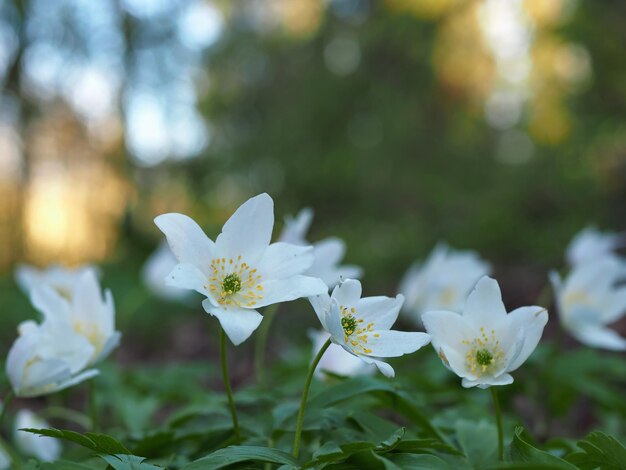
(61, 279)
(484, 344)
(361, 326)
(155, 270)
(87, 313)
(48, 357)
(241, 271)
(336, 360)
(590, 298)
(442, 282)
(590, 243)
(328, 252)
(46, 449)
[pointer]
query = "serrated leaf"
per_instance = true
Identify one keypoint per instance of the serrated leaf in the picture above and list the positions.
(128, 462)
(100, 443)
(599, 450)
(522, 451)
(236, 454)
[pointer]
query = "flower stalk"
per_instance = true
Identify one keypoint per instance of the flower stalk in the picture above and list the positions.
(305, 394)
(229, 392)
(496, 407)
(8, 399)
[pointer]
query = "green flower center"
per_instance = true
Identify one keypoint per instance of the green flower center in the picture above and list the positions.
(349, 324)
(484, 357)
(231, 284)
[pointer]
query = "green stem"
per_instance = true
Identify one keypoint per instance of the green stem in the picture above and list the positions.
(229, 392)
(93, 406)
(8, 398)
(496, 407)
(305, 394)
(260, 346)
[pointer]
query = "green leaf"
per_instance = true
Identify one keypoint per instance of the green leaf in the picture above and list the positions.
(100, 443)
(479, 441)
(426, 446)
(128, 462)
(522, 451)
(235, 454)
(599, 451)
(419, 462)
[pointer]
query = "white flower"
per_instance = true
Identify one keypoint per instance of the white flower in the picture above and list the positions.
(61, 279)
(240, 271)
(328, 252)
(156, 269)
(484, 343)
(48, 357)
(87, 313)
(362, 326)
(443, 282)
(590, 243)
(336, 360)
(589, 299)
(46, 449)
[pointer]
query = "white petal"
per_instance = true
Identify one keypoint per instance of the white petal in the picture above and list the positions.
(285, 290)
(615, 307)
(531, 322)
(26, 277)
(238, 323)
(321, 305)
(19, 355)
(348, 293)
(486, 382)
(88, 374)
(50, 303)
(111, 343)
(333, 325)
(383, 367)
(600, 337)
(329, 251)
(248, 231)
(484, 305)
(187, 240)
(188, 276)
(448, 329)
(282, 260)
(296, 227)
(391, 343)
(453, 360)
(380, 310)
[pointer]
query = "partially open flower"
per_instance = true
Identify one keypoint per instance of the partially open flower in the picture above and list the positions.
(484, 343)
(591, 298)
(442, 282)
(48, 357)
(590, 243)
(63, 280)
(362, 325)
(240, 271)
(87, 313)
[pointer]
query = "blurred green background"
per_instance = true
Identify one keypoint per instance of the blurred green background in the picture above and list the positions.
(494, 126)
